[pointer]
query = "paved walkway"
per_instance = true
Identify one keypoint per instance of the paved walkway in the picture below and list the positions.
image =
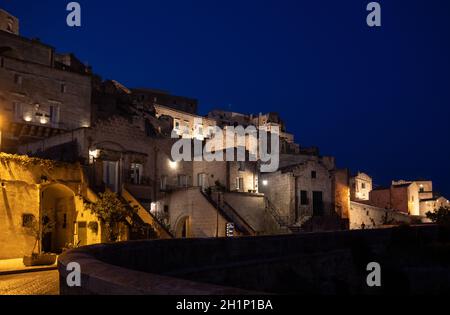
(35, 283)
(13, 266)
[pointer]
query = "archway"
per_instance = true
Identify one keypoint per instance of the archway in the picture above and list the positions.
(183, 227)
(58, 210)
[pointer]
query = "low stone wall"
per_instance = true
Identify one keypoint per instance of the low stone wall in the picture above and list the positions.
(370, 217)
(325, 263)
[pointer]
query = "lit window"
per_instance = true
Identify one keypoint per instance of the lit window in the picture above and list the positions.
(136, 171)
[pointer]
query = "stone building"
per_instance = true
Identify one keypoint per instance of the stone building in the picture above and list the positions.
(402, 197)
(34, 189)
(425, 187)
(266, 122)
(361, 186)
(304, 191)
(120, 156)
(121, 140)
(144, 99)
(429, 200)
(42, 93)
(186, 124)
(432, 204)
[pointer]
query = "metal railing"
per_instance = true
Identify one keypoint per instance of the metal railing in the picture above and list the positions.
(230, 213)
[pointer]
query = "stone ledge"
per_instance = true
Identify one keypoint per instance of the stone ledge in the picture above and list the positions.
(99, 278)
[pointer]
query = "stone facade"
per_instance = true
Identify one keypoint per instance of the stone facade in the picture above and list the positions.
(145, 99)
(34, 190)
(122, 139)
(9, 23)
(301, 190)
(433, 204)
(39, 96)
(186, 124)
(403, 198)
(361, 186)
(364, 216)
(342, 192)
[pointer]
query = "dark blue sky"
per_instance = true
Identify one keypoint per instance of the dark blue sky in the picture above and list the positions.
(376, 99)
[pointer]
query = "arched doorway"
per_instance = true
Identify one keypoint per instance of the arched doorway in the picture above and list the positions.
(58, 212)
(183, 227)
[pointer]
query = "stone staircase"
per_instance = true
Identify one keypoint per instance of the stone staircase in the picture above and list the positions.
(283, 222)
(146, 216)
(230, 214)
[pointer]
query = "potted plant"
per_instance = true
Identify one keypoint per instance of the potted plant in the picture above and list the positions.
(38, 258)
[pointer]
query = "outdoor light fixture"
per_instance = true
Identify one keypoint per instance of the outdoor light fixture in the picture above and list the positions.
(172, 164)
(94, 153)
(27, 118)
(265, 182)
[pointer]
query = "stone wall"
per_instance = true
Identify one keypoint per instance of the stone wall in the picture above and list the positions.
(342, 193)
(370, 217)
(32, 186)
(252, 208)
(203, 219)
(314, 263)
(43, 85)
(280, 191)
(25, 49)
(18, 198)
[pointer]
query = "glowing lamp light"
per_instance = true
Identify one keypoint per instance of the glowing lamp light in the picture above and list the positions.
(43, 121)
(173, 165)
(94, 153)
(27, 118)
(265, 182)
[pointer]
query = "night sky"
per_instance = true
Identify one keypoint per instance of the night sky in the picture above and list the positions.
(376, 99)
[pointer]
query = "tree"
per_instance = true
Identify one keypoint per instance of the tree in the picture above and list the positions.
(440, 216)
(112, 211)
(38, 229)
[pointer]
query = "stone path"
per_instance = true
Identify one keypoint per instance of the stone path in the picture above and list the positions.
(35, 283)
